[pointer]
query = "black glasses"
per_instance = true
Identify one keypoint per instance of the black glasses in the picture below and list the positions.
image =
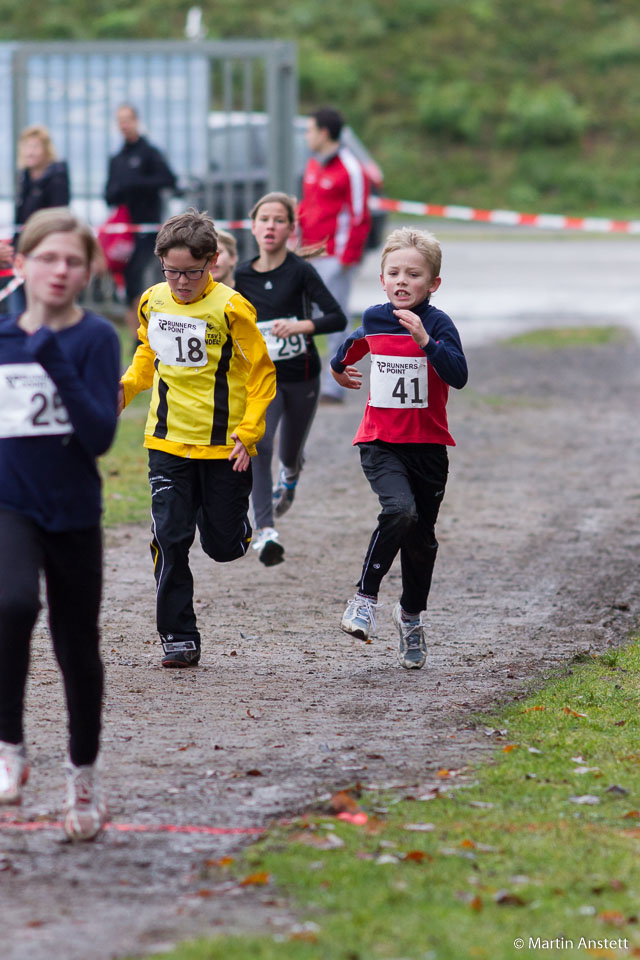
(189, 274)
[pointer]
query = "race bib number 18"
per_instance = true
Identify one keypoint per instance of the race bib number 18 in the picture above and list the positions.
(30, 405)
(178, 341)
(399, 382)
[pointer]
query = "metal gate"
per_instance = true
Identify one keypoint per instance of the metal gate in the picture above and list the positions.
(221, 112)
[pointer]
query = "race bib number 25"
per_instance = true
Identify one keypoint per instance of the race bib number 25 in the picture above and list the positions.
(178, 341)
(30, 405)
(400, 382)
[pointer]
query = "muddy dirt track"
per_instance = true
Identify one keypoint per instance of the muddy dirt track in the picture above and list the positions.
(539, 556)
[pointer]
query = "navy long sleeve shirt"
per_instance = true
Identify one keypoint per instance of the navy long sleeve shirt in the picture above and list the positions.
(48, 464)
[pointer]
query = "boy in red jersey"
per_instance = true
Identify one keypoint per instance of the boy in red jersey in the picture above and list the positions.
(416, 356)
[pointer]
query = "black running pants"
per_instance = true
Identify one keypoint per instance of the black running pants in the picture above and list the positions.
(409, 480)
(72, 565)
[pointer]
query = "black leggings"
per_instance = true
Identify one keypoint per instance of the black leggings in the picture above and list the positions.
(72, 565)
(409, 479)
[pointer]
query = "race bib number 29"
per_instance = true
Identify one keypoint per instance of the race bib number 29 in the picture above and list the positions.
(399, 382)
(282, 348)
(30, 405)
(178, 341)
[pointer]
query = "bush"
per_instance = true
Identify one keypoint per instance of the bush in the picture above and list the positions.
(548, 115)
(450, 110)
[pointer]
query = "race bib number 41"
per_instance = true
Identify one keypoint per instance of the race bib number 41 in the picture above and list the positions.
(282, 348)
(400, 382)
(178, 341)
(30, 405)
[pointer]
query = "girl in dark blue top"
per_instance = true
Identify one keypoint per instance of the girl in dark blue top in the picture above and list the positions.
(59, 372)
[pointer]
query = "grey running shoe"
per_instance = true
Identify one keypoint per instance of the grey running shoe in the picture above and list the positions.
(359, 619)
(412, 649)
(179, 653)
(85, 810)
(14, 771)
(283, 494)
(266, 543)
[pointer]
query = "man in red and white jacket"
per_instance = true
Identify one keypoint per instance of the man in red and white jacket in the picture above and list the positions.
(334, 212)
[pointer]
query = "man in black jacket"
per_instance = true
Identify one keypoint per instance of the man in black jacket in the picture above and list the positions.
(137, 174)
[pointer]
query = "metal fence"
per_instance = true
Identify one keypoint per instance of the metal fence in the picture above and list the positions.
(221, 112)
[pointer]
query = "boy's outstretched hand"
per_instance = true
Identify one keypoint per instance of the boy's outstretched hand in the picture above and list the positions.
(239, 455)
(351, 378)
(412, 322)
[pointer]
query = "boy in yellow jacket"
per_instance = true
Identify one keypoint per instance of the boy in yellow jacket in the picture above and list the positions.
(212, 380)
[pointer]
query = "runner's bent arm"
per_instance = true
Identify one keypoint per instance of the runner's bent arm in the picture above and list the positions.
(139, 374)
(89, 396)
(261, 381)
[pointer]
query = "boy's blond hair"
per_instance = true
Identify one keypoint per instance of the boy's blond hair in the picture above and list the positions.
(423, 241)
(193, 229)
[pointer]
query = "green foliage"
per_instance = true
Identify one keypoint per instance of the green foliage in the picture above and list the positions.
(548, 115)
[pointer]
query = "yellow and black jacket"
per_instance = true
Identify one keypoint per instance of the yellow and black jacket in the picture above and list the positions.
(209, 369)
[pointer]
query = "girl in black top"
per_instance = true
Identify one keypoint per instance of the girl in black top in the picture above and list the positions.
(282, 287)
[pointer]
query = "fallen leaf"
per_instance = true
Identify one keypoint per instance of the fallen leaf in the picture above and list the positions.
(205, 892)
(259, 879)
(254, 716)
(482, 804)
(574, 713)
(444, 773)
(612, 917)
(420, 827)
(343, 802)
(387, 858)
(581, 770)
(254, 773)
(187, 746)
(619, 791)
(620, 723)
(534, 750)
(632, 815)
(221, 862)
(476, 904)
(468, 845)
(531, 709)
(509, 747)
(587, 798)
(417, 856)
(506, 899)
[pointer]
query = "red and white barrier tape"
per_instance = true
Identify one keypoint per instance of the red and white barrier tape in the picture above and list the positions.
(511, 218)
(10, 287)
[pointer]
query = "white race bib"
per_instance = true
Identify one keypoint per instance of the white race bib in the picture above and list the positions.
(400, 382)
(30, 405)
(282, 348)
(178, 341)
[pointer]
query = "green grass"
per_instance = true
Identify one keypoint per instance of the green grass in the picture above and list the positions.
(555, 337)
(125, 485)
(509, 853)
(125, 488)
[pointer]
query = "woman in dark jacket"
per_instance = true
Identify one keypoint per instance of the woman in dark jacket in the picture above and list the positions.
(43, 181)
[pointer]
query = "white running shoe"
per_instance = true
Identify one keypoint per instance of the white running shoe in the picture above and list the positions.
(412, 649)
(359, 619)
(14, 771)
(85, 809)
(265, 542)
(283, 494)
